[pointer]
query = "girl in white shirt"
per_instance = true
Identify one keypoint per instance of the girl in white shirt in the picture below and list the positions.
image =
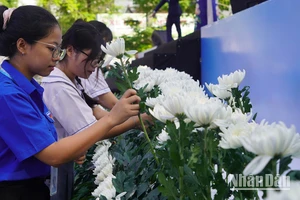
(96, 86)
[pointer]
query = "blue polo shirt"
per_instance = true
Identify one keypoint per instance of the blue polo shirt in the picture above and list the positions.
(26, 126)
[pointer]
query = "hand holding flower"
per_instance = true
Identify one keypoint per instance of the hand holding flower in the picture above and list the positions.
(126, 107)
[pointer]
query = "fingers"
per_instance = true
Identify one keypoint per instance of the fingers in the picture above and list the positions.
(131, 96)
(126, 107)
(133, 99)
(134, 107)
(128, 93)
(80, 160)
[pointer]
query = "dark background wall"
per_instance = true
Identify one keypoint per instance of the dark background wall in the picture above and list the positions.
(182, 54)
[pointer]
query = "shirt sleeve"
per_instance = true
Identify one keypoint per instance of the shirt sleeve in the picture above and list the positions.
(159, 5)
(95, 85)
(23, 128)
(68, 107)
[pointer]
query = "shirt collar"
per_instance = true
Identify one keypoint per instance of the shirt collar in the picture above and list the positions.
(59, 76)
(20, 79)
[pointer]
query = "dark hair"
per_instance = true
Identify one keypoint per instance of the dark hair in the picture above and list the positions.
(103, 29)
(28, 22)
(82, 35)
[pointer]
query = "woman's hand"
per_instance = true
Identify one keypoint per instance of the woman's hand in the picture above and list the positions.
(126, 107)
(80, 160)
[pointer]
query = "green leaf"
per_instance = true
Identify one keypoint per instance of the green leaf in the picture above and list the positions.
(141, 189)
(284, 164)
(294, 175)
(167, 188)
(191, 177)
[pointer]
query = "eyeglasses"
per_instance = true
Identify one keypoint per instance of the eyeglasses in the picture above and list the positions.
(57, 52)
(96, 62)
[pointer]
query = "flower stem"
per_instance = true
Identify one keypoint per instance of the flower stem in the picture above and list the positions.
(274, 167)
(148, 139)
(207, 162)
(181, 182)
(181, 172)
(125, 74)
(139, 115)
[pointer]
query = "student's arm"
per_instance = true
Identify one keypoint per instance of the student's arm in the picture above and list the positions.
(131, 123)
(107, 100)
(96, 87)
(72, 147)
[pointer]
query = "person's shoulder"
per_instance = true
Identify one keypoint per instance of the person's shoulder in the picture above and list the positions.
(8, 87)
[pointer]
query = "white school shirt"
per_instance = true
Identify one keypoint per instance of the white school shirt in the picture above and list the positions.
(65, 101)
(95, 86)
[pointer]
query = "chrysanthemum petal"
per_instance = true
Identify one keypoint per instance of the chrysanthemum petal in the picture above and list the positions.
(257, 165)
(131, 52)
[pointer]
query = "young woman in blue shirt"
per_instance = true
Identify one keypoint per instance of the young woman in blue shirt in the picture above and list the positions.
(30, 36)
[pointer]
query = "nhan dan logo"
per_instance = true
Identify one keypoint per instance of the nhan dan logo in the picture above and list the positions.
(264, 182)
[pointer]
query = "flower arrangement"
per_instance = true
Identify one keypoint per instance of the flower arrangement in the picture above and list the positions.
(103, 171)
(200, 144)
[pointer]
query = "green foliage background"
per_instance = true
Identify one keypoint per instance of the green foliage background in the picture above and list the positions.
(9, 3)
(68, 11)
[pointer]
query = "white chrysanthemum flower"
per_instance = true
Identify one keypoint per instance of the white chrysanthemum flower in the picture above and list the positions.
(232, 80)
(105, 188)
(206, 112)
(237, 117)
(151, 102)
(146, 77)
(102, 161)
(182, 87)
(226, 83)
(105, 172)
(231, 136)
(149, 83)
(268, 141)
(292, 193)
(197, 93)
(219, 91)
(169, 89)
(175, 104)
(160, 76)
(160, 113)
(171, 73)
(163, 137)
(100, 149)
(114, 49)
(144, 72)
(141, 68)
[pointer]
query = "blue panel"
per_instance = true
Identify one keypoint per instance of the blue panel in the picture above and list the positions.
(265, 41)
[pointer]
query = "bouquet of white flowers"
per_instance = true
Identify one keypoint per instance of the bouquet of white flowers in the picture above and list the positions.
(202, 146)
